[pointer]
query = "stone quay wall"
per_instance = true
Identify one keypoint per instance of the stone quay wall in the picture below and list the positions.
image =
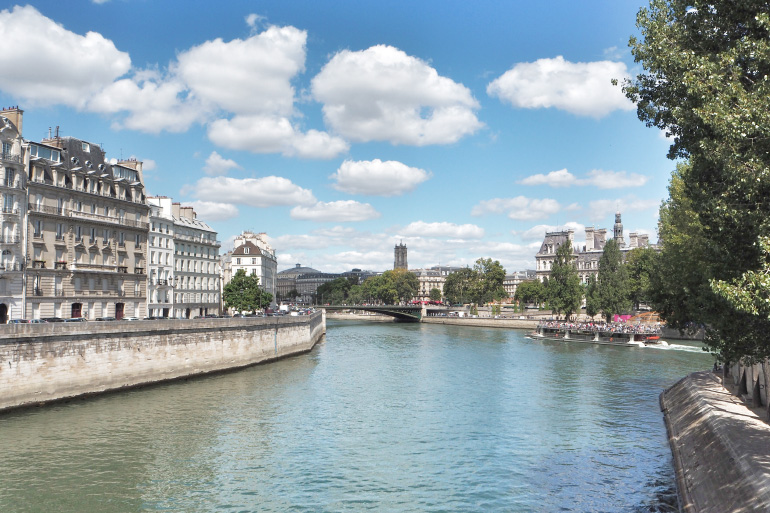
(720, 449)
(48, 362)
(483, 322)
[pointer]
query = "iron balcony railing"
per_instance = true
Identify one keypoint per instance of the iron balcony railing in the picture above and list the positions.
(10, 239)
(11, 157)
(11, 184)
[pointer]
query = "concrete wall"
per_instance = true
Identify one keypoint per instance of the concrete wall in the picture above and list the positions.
(483, 322)
(46, 362)
(720, 449)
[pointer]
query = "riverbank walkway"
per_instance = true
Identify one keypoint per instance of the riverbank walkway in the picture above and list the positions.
(721, 448)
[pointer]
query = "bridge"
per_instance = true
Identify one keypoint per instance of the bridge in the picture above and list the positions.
(402, 313)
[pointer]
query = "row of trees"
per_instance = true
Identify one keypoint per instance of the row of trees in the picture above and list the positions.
(618, 287)
(705, 83)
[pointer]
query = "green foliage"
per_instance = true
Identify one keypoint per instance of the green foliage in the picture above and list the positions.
(334, 292)
(640, 264)
(391, 287)
(242, 293)
(435, 294)
(530, 292)
(480, 285)
(612, 282)
(564, 290)
(706, 83)
(593, 305)
(458, 285)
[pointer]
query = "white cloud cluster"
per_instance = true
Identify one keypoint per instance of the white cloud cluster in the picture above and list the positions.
(383, 94)
(217, 165)
(600, 209)
(44, 63)
(378, 178)
(581, 88)
(442, 229)
(597, 178)
(519, 208)
(268, 191)
(213, 211)
(335, 211)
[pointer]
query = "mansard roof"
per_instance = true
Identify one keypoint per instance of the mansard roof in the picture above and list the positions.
(247, 248)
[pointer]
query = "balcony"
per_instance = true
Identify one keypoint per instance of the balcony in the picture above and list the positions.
(10, 210)
(44, 209)
(61, 266)
(38, 291)
(11, 267)
(60, 237)
(138, 270)
(122, 269)
(122, 244)
(11, 184)
(12, 158)
(38, 264)
(10, 239)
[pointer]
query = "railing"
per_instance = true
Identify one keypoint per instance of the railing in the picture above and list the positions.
(38, 264)
(11, 267)
(122, 269)
(60, 265)
(200, 240)
(59, 236)
(106, 242)
(10, 210)
(78, 266)
(109, 219)
(11, 157)
(44, 209)
(122, 244)
(10, 239)
(138, 270)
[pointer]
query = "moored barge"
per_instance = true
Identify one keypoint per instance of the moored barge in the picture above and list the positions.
(609, 334)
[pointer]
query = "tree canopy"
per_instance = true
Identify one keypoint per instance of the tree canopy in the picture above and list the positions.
(612, 282)
(705, 83)
(531, 292)
(564, 290)
(398, 285)
(242, 293)
(480, 285)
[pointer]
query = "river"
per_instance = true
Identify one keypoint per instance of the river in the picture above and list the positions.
(379, 417)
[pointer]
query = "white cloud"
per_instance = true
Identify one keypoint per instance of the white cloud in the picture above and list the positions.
(273, 134)
(378, 178)
(268, 191)
(600, 209)
(253, 19)
(217, 165)
(520, 207)
(212, 211)
(383, 94)
(560, 178)
(452, 230)
(335, 211)
(44, 63)
(582, 88)
(597, 178)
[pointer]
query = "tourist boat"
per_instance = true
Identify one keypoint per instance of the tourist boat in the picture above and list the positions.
(617, 335)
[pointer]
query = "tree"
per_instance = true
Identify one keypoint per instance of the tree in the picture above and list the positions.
(334, 292)
(706, 83)
(612, 281)
(530, 292)
(593, 305)
(640, 264)
(435, 294)
(490, 276)
(242, 293)
(391, 286)
(458, 285)
(564, 290)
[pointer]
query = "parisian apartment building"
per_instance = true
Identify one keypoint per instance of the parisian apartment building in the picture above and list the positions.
(253, 253)
(80, 238)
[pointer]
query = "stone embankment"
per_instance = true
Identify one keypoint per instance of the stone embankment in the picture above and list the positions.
(483, 322)
(48, 362)
(721, 448)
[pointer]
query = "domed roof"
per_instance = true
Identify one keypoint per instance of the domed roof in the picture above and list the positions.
(298, 270)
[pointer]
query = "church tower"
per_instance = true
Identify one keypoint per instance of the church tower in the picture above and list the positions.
(618, 231)
(400, 257)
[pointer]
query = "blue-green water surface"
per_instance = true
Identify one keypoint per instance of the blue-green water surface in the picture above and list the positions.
(379, 417)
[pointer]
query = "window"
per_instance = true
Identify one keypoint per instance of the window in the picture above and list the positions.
(86, 147)
(38, 228)
(10, 175)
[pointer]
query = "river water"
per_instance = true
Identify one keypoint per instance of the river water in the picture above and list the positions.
(379, 417)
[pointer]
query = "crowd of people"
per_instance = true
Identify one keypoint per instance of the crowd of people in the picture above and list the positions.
(602, 327)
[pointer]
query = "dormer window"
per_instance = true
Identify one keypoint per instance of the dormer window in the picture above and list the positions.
(246, 250)
(86, 147)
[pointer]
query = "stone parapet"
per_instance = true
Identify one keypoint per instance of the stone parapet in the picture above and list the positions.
(720, 447)
(49, 362)
(483, 322)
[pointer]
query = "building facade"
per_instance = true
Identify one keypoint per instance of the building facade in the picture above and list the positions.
(586, 257)
(87, 224)
(512, 281)
(197, 285)
(13, 187)
(160, 262)
(286, 283)
(253, 253)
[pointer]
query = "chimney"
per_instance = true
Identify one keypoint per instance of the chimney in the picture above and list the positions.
(589, 238)
(644, 240)
(632, 240)
(175, 210)
(15, 115)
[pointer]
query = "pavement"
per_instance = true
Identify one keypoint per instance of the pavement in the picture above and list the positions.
(721, 448)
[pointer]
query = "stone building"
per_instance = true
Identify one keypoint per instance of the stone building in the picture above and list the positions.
(399, 261)
(197, 286)
(286, 282)
(160, 267)
(428, 279)
(13, 186)
(87, 224)
(587, 256)
(252, 253)
(512, 281)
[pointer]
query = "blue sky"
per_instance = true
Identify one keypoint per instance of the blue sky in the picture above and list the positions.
(340, 128)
